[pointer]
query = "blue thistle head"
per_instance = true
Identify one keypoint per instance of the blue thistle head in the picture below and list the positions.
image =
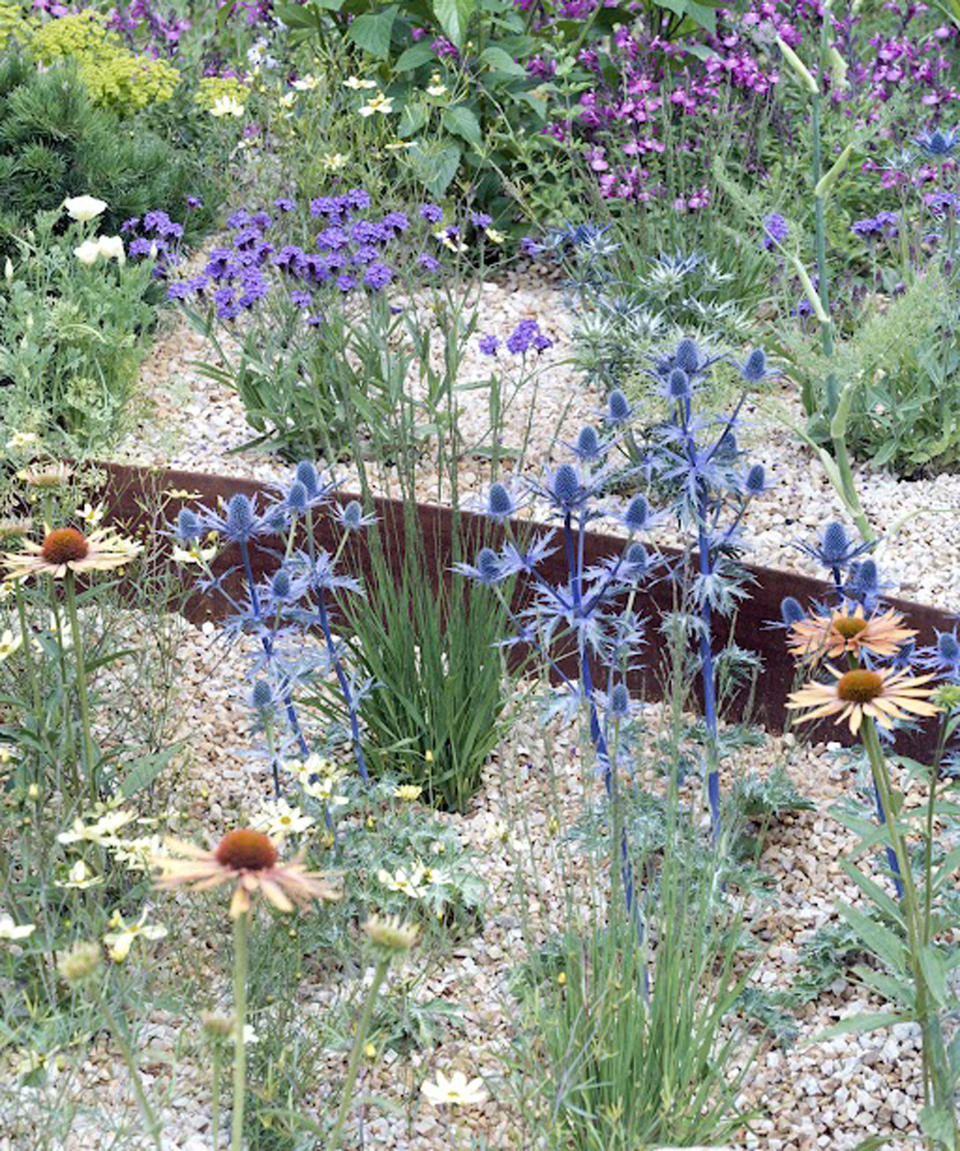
(727, 448)
(307, 475)
(262, 696)
(678, 384)
(189, 528)
(755, 368)
(566, 485)
(687, 357)
(280, 584)
(488, 565)
(241, 521)
(637, 514)
(618, 409)
(298, 497)
(791, 611)
(863, 584)
(948, 647)
(636, 558)
(835, 544)
(352, 517)
(499, 502)
(619, 702)
(588, 444)
(755, 482)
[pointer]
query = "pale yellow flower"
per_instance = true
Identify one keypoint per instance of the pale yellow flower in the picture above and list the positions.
(9, 643)
(279, 819)
(305, 83)
(287, 100)
(334, 161)
(456, 1090)
(408, 792)
(454, 243)
(413, 884)
(226, 106)
(88, 252)
(197, 553)
(92, 516)
(398, 146)
(377, 105)
(355, 84)
(15, 931)
(80, 877)
(102, 831)
(494, 236)
(436, 86)
(120, 940)
(66, 549)
(20, 440)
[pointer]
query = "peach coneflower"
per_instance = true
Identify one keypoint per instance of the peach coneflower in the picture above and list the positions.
(69, 550)
(838, 633)
(249, 859)
(884, 696)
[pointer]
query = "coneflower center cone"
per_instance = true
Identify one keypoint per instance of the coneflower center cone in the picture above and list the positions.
(859, 686)
(849, 626)
(64, 545)
(246, 850)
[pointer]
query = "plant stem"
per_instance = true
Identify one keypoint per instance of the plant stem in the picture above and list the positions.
(88, 754)
(150, 1120)
(354, 1062)
(215, 1093)
(240, 957)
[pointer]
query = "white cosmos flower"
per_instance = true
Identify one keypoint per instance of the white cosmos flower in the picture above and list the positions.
(84, 208)
(456, 1089)
(305, 83)
(14, 931)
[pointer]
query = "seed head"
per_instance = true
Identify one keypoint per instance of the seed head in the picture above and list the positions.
(297, 497)
(566, 484)
(588, 443)
(389, 932)
(791, 611)
(756, 479)
(488, 564)
(619, 706)
(860, 686)
(262, 695)
(637, 557)
(79, 962)
(678, 384)
(353, 515)
(835, 544)
(499, 502)
(687, 357)
(948, 647)
(217, 1024)
(280, 584)
(241, 521)
(618, 409)
(246, 850)
(307, 475)
(64, 545)
(755, 369)
(637, 514)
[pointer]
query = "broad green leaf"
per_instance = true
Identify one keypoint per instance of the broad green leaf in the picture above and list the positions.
(435, 167)
(144, 771)
(874, 891)
(499, 60)
(462, 122)
(934, 972)
(372, 31)
(414, 56)
(412, 119)
(878, 939)
(453, 17)
(893, 990)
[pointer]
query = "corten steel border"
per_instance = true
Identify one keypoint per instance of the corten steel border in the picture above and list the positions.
(132, 494)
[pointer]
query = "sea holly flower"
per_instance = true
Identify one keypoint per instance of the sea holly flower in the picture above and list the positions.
(885, 696)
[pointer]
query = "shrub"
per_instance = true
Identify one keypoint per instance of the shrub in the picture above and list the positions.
(54, 143)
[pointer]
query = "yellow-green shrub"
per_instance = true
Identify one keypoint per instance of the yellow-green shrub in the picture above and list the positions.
(113, 74)
(13, 23)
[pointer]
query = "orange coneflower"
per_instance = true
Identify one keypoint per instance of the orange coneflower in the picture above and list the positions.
(249, 859)
(67, 549)
(839, 632)
(884, 696)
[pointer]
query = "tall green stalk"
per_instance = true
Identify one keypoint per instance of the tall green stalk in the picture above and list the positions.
(241, 929)
(88, 749)
(363, 1026)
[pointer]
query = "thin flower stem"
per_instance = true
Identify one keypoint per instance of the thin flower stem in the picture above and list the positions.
(344, 687)
(88, 753)
(353, 1064)
(241, 927)
(150, 1120)
(215, 1093)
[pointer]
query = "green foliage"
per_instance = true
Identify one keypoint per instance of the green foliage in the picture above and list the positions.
(776, 795)
(55, 143)
(71, 339)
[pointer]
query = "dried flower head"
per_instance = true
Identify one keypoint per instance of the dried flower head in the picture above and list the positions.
(249, 859)
(79, 962)
(390, 932)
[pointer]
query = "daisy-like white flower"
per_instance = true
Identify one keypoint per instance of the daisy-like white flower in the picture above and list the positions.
(102, 831)
(831, 635)
(79, 877)
(67, 549)
(197, 553)
(455, 1089)
(9, 643)
(884, 696)
(226, 106)
(412, 884)
(248, 859)
(20, 440)
(355, 84)
(377, 105)
(436, 86)
(279, 819)
(305, 83)
(15, 931)
(121, 939)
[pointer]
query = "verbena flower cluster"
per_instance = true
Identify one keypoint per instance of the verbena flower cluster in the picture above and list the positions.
(351, 248)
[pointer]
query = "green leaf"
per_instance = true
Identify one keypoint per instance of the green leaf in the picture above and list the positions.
(144, 771)
(462, 122)
(874, 891)
(499, 60)
(372, 31)
(935, 974)
(435, 167)
(413, 57)
(878, 939)
(855, 1024)
(453, 17)
(412, 119)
